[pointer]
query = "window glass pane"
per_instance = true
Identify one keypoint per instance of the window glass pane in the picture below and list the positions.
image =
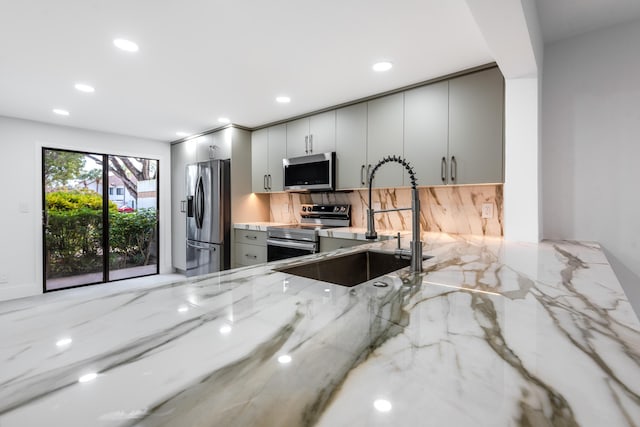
(73, 224)
(133, 217)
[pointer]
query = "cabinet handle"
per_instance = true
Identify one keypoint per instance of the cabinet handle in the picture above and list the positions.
(251, 256)
(310, 143)
(264, 182)
(251, 237)
(183, 206)
(362, 183)
(454, 168)
(306, 144)
(368, 173)
(443, 170)
(269, 181)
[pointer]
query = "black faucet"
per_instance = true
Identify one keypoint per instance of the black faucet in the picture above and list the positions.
(416, 244)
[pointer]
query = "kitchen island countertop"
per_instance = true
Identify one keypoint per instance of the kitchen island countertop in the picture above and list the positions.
(493, 333)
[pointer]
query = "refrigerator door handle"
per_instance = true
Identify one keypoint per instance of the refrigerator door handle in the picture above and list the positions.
(199, 203)
(201, 246)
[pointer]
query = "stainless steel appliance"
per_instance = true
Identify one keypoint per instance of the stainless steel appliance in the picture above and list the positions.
(208, 217)
(288, 241)
(316, 172)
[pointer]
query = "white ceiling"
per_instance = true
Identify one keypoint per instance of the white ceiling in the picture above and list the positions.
(560, 19)
(202, 59)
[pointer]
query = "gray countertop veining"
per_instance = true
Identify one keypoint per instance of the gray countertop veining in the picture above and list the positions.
(493, 333)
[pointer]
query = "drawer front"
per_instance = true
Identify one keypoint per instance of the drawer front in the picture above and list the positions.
(250, 254)
(251, 237)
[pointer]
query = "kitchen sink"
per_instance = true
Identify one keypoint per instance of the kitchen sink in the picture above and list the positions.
(351, 269)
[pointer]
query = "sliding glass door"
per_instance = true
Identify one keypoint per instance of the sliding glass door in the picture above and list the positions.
(100, 220)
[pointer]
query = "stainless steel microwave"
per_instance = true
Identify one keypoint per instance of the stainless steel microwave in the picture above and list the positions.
(316, 172)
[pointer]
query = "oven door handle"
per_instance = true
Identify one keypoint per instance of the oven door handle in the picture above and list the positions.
(291, 244)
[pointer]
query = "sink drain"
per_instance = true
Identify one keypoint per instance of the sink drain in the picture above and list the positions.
(380, 284)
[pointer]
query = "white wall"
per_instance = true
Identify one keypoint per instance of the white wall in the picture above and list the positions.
(521, 184)
(21, 142)
(591, 145)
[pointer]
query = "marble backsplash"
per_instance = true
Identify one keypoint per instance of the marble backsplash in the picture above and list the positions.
(450, 209)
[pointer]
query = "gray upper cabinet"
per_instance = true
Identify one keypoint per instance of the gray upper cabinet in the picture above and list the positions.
(267, 151)
(351, 146)
(385, 137)
(452, 132)
(476, 128)
(312, 135)
(426, 123)
(215, 145)
(277, 152)
(259, 160)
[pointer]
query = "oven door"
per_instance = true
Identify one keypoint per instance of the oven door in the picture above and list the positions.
(282, 248)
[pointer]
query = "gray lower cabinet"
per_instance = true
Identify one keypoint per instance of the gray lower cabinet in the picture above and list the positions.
(476, 128)
(351, 146)
(268, 148)
(426, 128)
(250, 247)
(385, 137)
(328, 244)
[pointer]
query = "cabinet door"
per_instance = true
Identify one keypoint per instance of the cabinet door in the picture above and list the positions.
(351, 146)
(298, 137)
(476, 128)
(322, 133)
(182, 154)
(259, 160)
(426, 123)
(221, 142)
(204, 148)
(277, 152)
(384, 138)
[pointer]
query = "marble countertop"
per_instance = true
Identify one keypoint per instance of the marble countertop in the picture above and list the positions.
(492, 334)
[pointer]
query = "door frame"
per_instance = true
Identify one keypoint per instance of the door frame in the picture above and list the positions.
(105, 218)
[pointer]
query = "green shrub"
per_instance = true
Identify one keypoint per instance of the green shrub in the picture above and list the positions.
(74, 234)
(131, 237)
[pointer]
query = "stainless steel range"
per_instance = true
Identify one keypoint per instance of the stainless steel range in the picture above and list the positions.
(288, 241)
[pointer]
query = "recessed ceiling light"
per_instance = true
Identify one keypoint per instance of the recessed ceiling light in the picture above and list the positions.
(382, 66)
(182, 134)
(126, 45)
(283, 99)
(224, 120)
(61, 112)
(84, 88)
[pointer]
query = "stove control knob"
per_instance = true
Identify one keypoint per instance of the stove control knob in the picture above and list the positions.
(336, 209)
(343, 209)
(304, 209)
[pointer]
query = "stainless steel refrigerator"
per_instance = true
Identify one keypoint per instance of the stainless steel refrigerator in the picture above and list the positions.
(208, 217)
